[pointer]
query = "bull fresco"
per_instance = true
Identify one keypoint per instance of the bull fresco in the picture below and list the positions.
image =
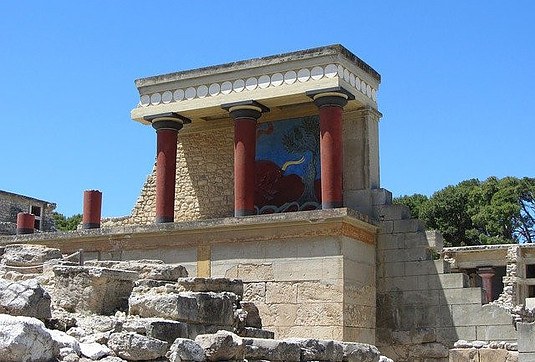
(288, 166)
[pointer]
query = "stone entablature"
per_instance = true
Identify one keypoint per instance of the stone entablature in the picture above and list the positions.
(275, 80)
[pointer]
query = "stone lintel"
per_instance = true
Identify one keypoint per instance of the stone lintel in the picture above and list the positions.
(275, 81)
(303, 224)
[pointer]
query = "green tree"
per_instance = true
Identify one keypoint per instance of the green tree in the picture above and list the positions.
(66, 223)
(473, 212)
(414, 202)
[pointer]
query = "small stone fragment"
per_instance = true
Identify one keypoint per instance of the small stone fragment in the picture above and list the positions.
(222, 345)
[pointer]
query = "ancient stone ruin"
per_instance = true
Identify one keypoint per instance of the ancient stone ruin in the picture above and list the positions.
(57, 308)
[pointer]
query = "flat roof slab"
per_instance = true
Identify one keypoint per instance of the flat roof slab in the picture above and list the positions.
(279, 82)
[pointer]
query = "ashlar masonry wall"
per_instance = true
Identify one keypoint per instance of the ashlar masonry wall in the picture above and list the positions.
(204, 183)
(422, 308)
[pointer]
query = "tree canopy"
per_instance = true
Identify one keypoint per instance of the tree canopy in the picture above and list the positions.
(66, 223)
(473, 212)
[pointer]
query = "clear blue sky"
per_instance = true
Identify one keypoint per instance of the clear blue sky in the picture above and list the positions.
(457, 95)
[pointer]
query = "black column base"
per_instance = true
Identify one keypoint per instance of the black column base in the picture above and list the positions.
(331, 204)
(21, 231)
(91, 225)
(239, 213)
(164, 219)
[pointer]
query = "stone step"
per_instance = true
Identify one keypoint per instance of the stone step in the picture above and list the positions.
(391, 212)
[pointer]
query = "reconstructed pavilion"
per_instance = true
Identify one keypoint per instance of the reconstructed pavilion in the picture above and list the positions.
(267, 170)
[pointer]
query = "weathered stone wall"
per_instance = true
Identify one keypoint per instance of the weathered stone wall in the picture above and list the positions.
(204, 183)
(11, 204)
(315, 287)
(422, 308)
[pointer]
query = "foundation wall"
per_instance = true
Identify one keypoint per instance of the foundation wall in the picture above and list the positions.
(423, 308)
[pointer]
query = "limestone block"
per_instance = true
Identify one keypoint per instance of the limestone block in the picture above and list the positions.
(147, 269)
(271, 350)
(28, 255)
(253, 315)
(408, 226)
(25, 339)
(480, 315)
(460, 296)
(216, 285)
(424, 267)
(166, 330)
(526, 357)
(392, 270)
(493, 355)
(24, 298)
(135, 347)
(495, 333)
(449, 281)
(95, 351)
(387, 241)
(222, 345)
(449, 335)
(391, 212)
(255, 272)
(283, 315)
(526, 337)
(321, 314)
(190, 307)
(381, 197)
(186, 350)
(320, 332)
(254, 292)
(63, 340)
(435, 239)
(421, 297)
(361, 335)
(428, 350)
(252, 332)
(360, 352)
(357, 295)
(319, 350)
(400, 283)
(281, 292)
(92, 290)
(359, 316)
(463, 355)
(386, 227)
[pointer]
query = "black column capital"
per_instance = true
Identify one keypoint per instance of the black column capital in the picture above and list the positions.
(169, 120)
(336, 96)
(245, 109)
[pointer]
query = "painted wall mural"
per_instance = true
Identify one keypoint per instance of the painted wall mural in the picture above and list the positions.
(288, 166)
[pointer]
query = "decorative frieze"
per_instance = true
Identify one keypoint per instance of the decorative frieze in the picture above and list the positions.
(278, 79)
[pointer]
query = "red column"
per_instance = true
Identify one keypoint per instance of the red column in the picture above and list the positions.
(25, 223)
(245, 115)
(92, 209)
(167, 126)
(486, 275)
(244, 165)
(330, 106)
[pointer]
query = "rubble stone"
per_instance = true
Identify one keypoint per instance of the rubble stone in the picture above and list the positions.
(146, 269)
(95, 350)
(185, 350)
(216, 285)
(24, 298)
(135, 347)
(191, 307)
(222, 345)
(25, 339)
(271, 350)
(92, 290)
(319, 350)
(20, 255)
(360, 352)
